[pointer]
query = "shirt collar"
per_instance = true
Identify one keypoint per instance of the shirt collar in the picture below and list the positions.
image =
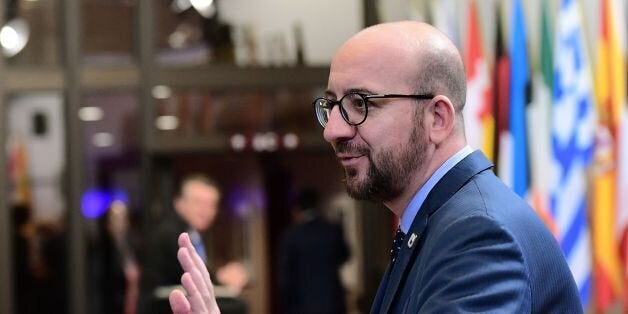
(415, 204)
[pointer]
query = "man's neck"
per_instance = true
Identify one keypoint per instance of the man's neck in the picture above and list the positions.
(421, 175)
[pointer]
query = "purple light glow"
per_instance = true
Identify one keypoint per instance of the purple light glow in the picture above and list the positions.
(95, 202)
(242, 201)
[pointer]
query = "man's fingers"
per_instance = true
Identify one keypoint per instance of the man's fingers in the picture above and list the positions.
(189, 267)
(206, 294)
(185, 242)
(178, 303)
(197, 304)
(185, 259)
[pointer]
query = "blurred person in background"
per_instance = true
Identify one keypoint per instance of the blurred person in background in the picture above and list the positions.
(466, 242)
(312, 252)
(118, 271)
(23, 232)
(195, 209)
(49, 268)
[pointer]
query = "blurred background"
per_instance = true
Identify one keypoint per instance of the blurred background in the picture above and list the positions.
(105, 105)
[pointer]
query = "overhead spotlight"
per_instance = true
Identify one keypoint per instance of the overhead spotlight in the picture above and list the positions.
(206, 8)
(14, 36)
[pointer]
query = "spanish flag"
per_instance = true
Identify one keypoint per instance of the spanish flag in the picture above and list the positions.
(610, 91)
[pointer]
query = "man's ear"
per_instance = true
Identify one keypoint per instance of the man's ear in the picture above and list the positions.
(443, 119)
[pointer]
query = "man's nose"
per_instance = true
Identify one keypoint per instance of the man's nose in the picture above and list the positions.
(337, 128)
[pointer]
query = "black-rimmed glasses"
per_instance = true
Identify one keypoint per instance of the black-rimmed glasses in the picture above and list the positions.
(353, 106)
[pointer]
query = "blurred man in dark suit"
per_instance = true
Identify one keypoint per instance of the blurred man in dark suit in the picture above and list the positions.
(311, 253)
(196, 207)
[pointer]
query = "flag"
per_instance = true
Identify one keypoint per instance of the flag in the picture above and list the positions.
(538, 123)
(18, 172)
(513, 142)
(478, 111)
(621, 221)
(610, 88)
(573, 132)
(501, 96)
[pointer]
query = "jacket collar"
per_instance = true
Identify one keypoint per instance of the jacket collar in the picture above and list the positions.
(453, 181)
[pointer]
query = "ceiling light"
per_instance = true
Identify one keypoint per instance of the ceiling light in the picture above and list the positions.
(14, 36)
(161, 92)
(167, 123)
(271, 144)
(238, 142)
(103, 139)
(290, 141)
(206, 8)
(90, 114)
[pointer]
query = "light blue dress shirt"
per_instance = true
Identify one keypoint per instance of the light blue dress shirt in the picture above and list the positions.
(415, 204)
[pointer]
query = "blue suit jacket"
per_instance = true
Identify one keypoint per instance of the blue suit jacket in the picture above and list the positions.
(475, 246)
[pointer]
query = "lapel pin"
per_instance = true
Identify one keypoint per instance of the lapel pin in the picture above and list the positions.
(413, 238)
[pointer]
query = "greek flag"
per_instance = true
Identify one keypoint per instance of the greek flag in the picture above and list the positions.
(573, 126)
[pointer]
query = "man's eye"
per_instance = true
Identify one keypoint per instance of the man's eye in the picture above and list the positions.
(358, 103)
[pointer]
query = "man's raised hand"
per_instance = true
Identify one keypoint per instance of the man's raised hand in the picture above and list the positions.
(200, 297)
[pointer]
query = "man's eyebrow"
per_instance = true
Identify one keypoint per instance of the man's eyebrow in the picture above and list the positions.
(365, 91)
(362, 90)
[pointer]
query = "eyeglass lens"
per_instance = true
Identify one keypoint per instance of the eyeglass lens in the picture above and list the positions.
(352, 108)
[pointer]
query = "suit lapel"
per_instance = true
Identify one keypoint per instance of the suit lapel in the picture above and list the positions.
(397, 270)
(381, 289)
(455, 179)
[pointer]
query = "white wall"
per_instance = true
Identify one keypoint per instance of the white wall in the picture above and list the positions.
(325, 24)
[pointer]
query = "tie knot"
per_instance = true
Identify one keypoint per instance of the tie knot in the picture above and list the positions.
(396, 245)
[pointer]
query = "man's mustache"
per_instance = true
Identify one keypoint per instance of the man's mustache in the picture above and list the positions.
(346, 147)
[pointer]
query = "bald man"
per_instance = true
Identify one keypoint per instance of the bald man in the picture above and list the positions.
(466, 243)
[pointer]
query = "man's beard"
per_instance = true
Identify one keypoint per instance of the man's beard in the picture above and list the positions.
(387, 175)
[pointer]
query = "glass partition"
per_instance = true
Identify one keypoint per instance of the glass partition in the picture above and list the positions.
(245, 120)
(37, 203)
(111, 202)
